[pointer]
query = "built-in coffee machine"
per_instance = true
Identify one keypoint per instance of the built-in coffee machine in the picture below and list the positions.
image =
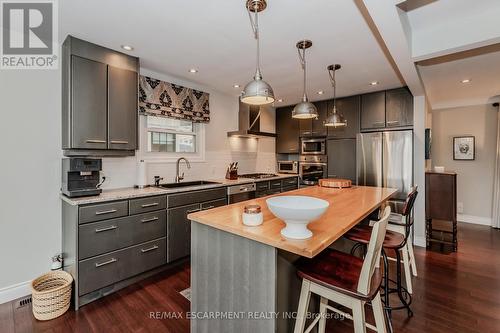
(81, 176)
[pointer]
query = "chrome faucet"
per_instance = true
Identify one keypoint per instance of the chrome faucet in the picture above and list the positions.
(178, 177)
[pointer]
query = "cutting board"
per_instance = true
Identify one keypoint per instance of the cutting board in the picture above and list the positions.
(335, 182)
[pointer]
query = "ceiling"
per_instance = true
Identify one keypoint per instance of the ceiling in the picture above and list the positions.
(442, 80)
(215, 37)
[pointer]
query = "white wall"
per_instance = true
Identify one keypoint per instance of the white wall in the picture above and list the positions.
(475, 178)
(30, 132)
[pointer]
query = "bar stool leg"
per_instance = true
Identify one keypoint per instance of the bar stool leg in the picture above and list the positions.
(406, 264)
(386, 284)
(399, 285)
(358, 315)
(305, 296)
(378, 312)
(322, 312)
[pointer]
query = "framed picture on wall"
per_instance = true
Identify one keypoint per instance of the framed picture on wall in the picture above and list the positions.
(464, 148)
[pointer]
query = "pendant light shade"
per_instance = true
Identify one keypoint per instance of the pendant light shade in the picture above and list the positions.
(305, 109)
(335, 119)
(257, 91)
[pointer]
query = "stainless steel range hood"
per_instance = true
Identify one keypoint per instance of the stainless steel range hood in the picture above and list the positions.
(251, 122)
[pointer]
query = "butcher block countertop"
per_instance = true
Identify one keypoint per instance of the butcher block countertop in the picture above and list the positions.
(347, 208)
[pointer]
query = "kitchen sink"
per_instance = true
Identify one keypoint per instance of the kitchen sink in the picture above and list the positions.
(185, 184)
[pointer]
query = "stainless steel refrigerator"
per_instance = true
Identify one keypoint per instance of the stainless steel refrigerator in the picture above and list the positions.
(386, 159)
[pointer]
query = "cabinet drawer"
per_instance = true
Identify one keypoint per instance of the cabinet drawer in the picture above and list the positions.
(143, 205)
(259, 186)
(260, 194)
(109, 235)
(213, 204)
(288, 188)
(104, 270)
(289, 182)
(275, 184)
(275, 191)
(188, 198)
(103, 211)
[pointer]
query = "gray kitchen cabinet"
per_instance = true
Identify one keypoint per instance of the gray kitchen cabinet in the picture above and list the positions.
(349, 107)
(287, 132)
(89, 103)
(99, 100)
(318, 125)
(122, 112)
(399, 107)
(305, 127)
(373, 110)
(179, 231)
(342, 159)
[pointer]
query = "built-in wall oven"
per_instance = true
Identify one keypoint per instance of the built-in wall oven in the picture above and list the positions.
(312, 169)
(313, 146)
(288, 167)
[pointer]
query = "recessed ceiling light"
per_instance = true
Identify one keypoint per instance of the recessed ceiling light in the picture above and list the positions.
(236, 86)
(127, 47)
(280, 100)
(373, 83)
(466, 80)
(193, 70)
(320, 92)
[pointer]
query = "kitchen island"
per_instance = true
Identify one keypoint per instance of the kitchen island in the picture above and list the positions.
(243, 278)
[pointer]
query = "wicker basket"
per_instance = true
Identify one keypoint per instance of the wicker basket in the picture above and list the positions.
(51, 294)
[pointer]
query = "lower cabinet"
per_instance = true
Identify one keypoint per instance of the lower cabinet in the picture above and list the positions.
(265, 188)
(179, 231)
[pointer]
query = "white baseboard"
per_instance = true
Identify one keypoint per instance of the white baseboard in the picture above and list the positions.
(474, 219)
(420, 241)
(15, 291)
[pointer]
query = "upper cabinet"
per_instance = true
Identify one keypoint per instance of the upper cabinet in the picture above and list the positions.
(287, 132)
(399, 107)
(99, 100)
(348, 107)
(373, 110)
(318, 125)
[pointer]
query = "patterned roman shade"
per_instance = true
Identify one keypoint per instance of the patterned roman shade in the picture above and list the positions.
(163, 99)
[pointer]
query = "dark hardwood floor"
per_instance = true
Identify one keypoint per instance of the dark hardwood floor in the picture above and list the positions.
(454, 292)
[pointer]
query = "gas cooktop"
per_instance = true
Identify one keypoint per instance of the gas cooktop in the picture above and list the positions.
(258, 175)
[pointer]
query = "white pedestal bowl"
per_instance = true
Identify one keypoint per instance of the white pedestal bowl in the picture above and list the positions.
(297, 211)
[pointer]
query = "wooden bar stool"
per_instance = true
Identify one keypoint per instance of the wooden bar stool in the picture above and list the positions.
(346, 280)
(398, 239)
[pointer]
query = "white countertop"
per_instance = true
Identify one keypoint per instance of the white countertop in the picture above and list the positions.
(131, 192)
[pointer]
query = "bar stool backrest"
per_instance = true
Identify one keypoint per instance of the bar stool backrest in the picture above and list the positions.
(372, 258)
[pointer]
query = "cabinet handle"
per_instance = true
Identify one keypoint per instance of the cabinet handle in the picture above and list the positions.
(378, 123)
(95, 141)
(150, 205)
(393, 122)
(152, 248)
(99, 264)
(193, 211)
(106, 212)
(118, 142)
(209, 207)
(150, 220)
(113, 227)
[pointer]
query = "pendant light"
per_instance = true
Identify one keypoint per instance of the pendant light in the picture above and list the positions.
(257, 91)
(305, 109)
(335, 119)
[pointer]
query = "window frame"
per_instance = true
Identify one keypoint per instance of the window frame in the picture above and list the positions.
(169, 157)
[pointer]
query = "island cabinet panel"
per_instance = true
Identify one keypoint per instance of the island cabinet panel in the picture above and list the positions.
(349, 107)
(373, 110)
(342, 159)
(287, 132)
(318, 125)
(399, 107)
